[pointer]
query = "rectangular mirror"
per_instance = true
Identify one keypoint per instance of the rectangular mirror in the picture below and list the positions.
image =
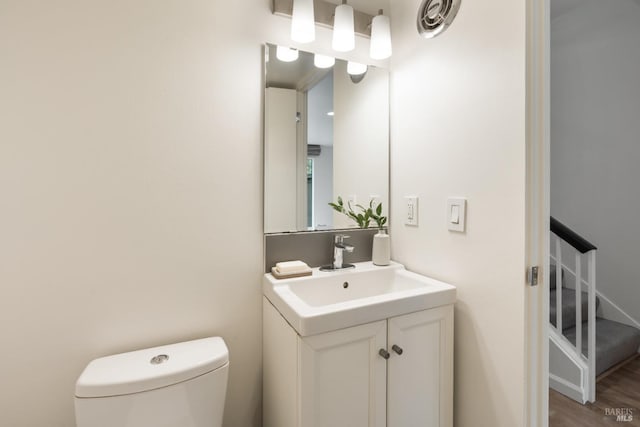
(326, 134)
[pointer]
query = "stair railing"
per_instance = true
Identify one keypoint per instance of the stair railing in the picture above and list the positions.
(578, 248)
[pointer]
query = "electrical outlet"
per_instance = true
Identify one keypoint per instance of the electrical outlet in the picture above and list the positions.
(411, 211)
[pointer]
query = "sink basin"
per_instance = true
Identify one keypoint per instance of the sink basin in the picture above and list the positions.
(326, 301)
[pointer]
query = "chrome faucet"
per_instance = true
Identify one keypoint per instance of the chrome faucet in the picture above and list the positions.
(339, 247)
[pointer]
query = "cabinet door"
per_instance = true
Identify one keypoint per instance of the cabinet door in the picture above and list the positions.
(343, 378)
(420, 380)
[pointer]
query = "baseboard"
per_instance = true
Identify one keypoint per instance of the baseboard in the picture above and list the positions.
(566, 388)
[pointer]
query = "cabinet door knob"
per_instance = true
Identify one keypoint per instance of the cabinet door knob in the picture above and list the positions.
(397, 349)
(384, 353)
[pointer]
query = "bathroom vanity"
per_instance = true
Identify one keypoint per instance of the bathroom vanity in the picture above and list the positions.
(372, 346)
(365, 347)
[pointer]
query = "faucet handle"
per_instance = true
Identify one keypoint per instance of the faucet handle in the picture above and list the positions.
(339, 238)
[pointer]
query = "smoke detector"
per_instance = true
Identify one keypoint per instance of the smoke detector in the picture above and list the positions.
(435, 16)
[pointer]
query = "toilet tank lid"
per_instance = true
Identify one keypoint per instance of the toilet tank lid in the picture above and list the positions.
(151, 368)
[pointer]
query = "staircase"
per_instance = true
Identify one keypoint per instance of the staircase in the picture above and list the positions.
(579, 323)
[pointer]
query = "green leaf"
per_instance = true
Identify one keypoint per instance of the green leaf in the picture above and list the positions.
(337, 207)
(361, 215)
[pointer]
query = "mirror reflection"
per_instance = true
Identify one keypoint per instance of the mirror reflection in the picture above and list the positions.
(326, 135)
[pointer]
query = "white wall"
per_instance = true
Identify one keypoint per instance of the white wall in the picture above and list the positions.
(458, 129)
(595, 135)
(126, 133)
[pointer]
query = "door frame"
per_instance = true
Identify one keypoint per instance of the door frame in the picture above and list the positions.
(538, 210)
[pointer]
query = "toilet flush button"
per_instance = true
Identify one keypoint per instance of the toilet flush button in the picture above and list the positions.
(161, 358)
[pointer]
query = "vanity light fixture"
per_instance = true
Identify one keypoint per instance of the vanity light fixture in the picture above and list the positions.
(345, 21)
(380, 47)
(344, 38)
(323, 61)
(286, 54)
(303, 23)
(330, 114)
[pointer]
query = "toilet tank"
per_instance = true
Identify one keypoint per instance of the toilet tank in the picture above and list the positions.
(177, 385)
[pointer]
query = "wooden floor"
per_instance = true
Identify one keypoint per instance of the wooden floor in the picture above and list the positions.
(619, 390)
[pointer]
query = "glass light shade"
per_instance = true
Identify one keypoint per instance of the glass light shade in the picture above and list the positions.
(380, 37)
(323, 61)
(344, 37)
(355, 68)
(303, 23)
(286, 54)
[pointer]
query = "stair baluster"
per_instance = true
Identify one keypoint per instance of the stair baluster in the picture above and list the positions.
(591, 328)
(579, 304)
(558, 285)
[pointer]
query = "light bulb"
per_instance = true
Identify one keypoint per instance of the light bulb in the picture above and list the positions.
(286, 54)
(323, 61)
(344, 38)
(380, 37)
(303, 24)
(355, 68)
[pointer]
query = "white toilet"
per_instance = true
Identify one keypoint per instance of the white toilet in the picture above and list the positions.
(177, 385)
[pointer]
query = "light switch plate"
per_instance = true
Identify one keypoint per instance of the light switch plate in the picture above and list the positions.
(411, 210)
(460, 204)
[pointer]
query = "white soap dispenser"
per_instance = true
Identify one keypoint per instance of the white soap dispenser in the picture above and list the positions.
(381, 254)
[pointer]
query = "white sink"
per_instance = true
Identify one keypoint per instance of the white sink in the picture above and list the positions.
(326, 301)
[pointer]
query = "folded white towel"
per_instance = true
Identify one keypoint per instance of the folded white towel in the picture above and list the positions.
(292, 267)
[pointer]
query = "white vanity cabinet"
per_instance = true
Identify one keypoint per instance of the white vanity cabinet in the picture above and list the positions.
(420, 380)
(342, 378)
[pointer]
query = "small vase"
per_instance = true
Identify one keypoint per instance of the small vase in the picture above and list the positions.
(381, 249)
